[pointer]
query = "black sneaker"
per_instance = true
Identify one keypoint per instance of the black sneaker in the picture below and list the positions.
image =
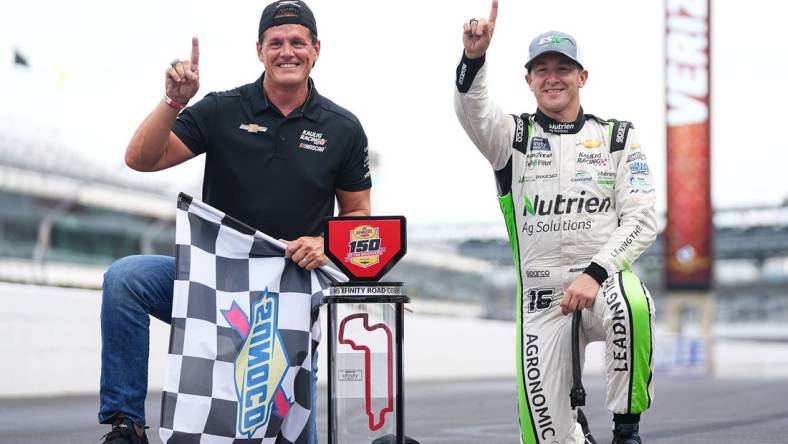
(581, 419)
(123, 433)
(626, 434)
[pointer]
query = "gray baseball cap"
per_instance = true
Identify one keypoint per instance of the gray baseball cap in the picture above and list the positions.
(554, 41)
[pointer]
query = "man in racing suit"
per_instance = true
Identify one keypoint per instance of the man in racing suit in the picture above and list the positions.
(576, 194)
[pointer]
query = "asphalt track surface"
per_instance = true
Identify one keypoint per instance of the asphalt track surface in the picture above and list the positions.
(732, 411)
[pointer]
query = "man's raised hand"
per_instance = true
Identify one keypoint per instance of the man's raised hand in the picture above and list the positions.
(477, 33)
(182, 78)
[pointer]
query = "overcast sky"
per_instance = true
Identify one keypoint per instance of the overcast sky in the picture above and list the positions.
(96, 70)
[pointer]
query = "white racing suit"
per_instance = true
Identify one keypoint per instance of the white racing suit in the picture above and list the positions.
(577, 197)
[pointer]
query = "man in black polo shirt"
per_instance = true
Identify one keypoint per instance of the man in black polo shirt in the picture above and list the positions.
(277, 155)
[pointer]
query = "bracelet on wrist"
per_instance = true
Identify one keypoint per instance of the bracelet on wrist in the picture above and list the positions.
(174, 103)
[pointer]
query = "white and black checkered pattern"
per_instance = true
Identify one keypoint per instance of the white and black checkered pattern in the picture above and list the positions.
(221, 262)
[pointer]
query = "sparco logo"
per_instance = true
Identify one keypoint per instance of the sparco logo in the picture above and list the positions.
(518, 136)
(621, 130)
(560, 205)
(462, 73)
(537, 273)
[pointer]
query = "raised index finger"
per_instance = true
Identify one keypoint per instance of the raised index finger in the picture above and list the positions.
(493, 12)
(195, 53)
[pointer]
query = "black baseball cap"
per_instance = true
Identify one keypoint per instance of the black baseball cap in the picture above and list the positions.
(287, 11)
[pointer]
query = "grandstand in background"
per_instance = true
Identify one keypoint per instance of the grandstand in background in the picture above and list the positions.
(63, 220)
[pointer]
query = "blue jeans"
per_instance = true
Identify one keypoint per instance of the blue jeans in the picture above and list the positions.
(135, 288)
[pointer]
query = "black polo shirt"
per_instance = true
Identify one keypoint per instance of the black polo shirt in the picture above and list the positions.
(278, 174)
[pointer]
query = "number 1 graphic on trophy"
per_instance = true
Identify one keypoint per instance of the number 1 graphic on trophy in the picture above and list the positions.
(363, 343)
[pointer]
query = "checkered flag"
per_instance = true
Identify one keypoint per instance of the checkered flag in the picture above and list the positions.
(245, 324)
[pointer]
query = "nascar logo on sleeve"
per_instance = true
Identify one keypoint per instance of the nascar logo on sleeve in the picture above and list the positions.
(260, 366)
(365, 246)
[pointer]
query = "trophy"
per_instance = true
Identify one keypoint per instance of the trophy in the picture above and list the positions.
(365, 326)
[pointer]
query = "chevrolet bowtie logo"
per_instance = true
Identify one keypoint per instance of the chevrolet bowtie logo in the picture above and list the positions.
(589, 143)
(253, 128)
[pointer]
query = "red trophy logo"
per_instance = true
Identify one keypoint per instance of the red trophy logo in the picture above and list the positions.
(366, 247)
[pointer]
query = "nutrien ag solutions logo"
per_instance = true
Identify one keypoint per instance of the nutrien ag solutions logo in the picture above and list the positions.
(561, 205)
(365, 246)
(261, 364)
